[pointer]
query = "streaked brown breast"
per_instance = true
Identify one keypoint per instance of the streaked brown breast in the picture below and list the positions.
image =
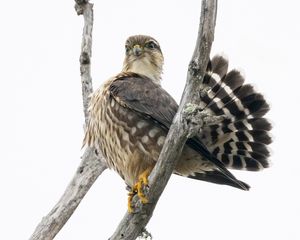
(129, 142)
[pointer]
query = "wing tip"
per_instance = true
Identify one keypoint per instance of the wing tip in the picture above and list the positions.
(218, 177)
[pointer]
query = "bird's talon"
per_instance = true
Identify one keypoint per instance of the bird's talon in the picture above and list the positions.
(144, 200)
(138, 189)
(144, 180)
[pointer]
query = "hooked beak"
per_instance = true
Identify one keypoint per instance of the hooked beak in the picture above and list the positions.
(137, 50)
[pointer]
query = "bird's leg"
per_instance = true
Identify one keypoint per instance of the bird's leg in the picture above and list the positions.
(138, 189)
(143, 182)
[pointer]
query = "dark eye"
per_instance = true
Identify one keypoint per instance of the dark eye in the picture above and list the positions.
(151, 45)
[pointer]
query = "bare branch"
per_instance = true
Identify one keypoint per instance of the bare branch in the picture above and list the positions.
(91, 166)
(132, 225)
(87, 173)
(86, 53)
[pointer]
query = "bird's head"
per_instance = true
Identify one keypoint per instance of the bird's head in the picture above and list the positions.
(144, 56)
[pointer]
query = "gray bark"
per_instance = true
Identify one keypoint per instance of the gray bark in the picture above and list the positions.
(86, 9)
(132, 225)
(87, 173)
(91, 166)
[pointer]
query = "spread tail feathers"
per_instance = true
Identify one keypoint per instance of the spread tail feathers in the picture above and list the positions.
(240, 141)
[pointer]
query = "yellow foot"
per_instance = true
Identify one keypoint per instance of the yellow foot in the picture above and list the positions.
(138, 189)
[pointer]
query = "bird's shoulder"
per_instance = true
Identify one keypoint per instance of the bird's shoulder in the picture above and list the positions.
(141, 94)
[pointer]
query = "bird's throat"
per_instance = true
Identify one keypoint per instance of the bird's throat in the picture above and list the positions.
(144, 67)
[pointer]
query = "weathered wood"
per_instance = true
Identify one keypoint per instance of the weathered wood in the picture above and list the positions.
(91, 166)
(133, 224)
(87, 173)
(86, 53)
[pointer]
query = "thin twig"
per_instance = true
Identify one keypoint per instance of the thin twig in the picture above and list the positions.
(132, 225)
(86, 9)
(91, 166)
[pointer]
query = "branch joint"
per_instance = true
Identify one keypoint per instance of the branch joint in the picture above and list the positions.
(191, 119)
(84, 58)
(194, 68)
(79, 6)
(194, 118)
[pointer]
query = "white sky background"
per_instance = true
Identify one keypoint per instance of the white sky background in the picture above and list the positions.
(42, 120)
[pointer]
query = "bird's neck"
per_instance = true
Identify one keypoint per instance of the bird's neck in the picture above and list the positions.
(144, 67)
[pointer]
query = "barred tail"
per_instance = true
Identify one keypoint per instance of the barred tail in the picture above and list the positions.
(240, 141)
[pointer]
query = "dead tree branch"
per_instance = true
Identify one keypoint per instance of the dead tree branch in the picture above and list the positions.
(132, 225)
(91, 166)
(87, 173)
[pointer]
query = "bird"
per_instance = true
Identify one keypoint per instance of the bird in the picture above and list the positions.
(130, 115)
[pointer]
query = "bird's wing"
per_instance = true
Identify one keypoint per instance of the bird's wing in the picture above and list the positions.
(142, 95)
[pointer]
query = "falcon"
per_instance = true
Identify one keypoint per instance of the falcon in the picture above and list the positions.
(130, 115)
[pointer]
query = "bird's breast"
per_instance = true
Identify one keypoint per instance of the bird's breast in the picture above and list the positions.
(129, 142)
